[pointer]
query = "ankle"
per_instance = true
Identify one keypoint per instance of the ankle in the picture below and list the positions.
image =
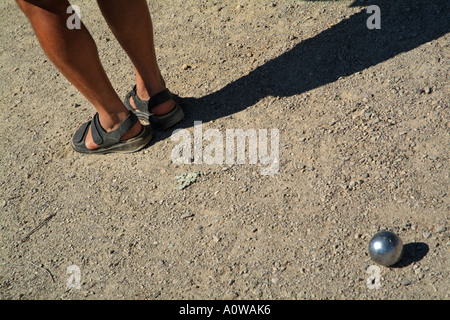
(142, 93)
(145, 95)
(110, 122)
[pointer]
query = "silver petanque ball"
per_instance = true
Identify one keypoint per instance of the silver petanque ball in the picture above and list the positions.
(386, 248)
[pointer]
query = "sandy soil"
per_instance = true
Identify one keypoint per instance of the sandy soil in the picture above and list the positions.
(363, 118)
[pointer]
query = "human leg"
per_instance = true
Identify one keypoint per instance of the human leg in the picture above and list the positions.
(75, 54)
(130, 22)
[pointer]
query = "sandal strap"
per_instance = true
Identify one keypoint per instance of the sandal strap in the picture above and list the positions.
(138, 102)
(81, 133)
(103, 138)
(159, 98)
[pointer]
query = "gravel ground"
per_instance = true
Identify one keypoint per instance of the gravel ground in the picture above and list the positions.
(363, 122)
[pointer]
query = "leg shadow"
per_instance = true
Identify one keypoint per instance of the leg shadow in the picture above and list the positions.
(344, 49)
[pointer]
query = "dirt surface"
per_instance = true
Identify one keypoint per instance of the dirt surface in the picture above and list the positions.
(363, 120)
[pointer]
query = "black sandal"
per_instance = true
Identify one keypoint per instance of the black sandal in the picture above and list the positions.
(109, 142)
(143, 111)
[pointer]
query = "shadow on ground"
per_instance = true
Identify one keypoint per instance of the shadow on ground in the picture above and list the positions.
(412, 252)
(344, 49)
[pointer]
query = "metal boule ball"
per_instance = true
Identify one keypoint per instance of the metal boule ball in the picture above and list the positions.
(386, 248)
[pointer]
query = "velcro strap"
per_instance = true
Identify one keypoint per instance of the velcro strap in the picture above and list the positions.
(97, 131)
(126, 124)
(101, 137)
(81, 132)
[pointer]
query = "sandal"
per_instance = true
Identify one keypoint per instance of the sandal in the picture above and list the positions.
(109, 142)
(143, 111)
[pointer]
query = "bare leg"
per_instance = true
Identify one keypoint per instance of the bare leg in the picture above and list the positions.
(131, 23)
(75, 54)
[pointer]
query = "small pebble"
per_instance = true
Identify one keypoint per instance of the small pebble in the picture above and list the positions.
(441, 229)
(230, 296)
(406, 282)
(426, 234)
(185, 66)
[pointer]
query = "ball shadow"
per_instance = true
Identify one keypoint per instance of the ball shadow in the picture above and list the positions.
(412, 252)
